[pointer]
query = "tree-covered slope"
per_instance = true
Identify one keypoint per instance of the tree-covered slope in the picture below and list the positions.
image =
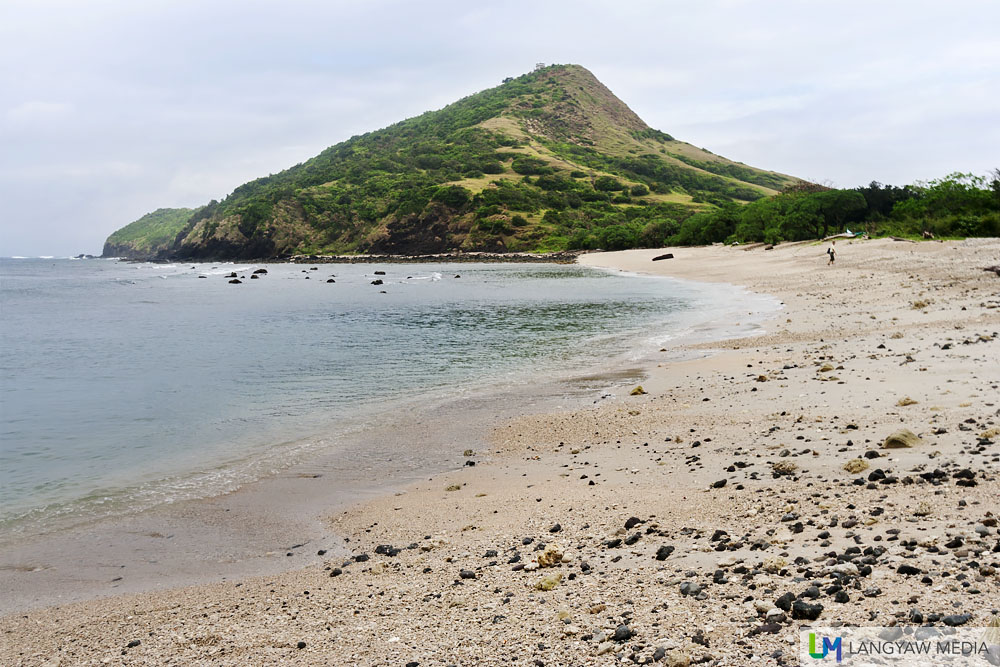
(150, 236)
(548, 161)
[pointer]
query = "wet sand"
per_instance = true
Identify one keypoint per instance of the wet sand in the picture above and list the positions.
(666, 525)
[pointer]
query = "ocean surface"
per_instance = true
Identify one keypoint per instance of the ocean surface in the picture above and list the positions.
(127, 385)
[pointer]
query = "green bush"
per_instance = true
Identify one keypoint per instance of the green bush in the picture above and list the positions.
(526, 165)
(618, 237)
(608, 184)
(454, 196)
(639, 190)
(491, 167)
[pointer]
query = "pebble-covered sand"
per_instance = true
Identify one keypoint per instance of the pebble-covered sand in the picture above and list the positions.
(744, 494)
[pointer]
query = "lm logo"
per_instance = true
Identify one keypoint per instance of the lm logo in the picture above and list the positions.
(826, 648)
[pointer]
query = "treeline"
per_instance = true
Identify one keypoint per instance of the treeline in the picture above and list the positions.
(957, 205)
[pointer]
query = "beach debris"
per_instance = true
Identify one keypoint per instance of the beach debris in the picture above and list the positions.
(678, 659)
(668, 255)
(903, 402)
(783, 468)
(854, 466)
(551, 555)
(548, 582)
(774, 565)
(387, 550)
(904, 438)
(605, 647)
(638, 391)
(453, 487)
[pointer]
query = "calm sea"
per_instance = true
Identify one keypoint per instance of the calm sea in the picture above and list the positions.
(125, 385)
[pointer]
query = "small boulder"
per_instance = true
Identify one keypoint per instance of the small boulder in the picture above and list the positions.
(804, 610)
(854, 466)
(623, 633)
(664, 551)
(904, 438)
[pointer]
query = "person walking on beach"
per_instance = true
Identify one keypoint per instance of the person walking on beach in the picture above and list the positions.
(832, 252)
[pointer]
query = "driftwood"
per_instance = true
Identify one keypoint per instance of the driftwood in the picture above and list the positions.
(669, 255)
(994, 269)
(897, 238)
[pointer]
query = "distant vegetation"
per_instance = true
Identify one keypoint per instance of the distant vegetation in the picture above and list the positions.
(957, 205)
(148, 234)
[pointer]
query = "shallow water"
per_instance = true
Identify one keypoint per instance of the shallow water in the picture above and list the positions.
(130, 385)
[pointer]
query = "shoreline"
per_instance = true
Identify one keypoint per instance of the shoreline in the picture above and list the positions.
(202, 539)
(641, 456)
(476, 257)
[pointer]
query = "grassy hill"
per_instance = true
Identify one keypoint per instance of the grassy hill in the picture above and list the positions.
(149, 235)
(550, 160)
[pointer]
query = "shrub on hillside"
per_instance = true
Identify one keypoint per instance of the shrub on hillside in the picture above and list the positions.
(608, 184)
(454, 196)
(526, 165)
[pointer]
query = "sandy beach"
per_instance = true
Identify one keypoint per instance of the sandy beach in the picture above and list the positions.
(748, 491)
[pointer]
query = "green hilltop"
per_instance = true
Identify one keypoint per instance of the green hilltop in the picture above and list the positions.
(547, 161)
(148, 235)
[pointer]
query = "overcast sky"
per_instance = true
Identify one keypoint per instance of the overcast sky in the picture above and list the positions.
(111, 109)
